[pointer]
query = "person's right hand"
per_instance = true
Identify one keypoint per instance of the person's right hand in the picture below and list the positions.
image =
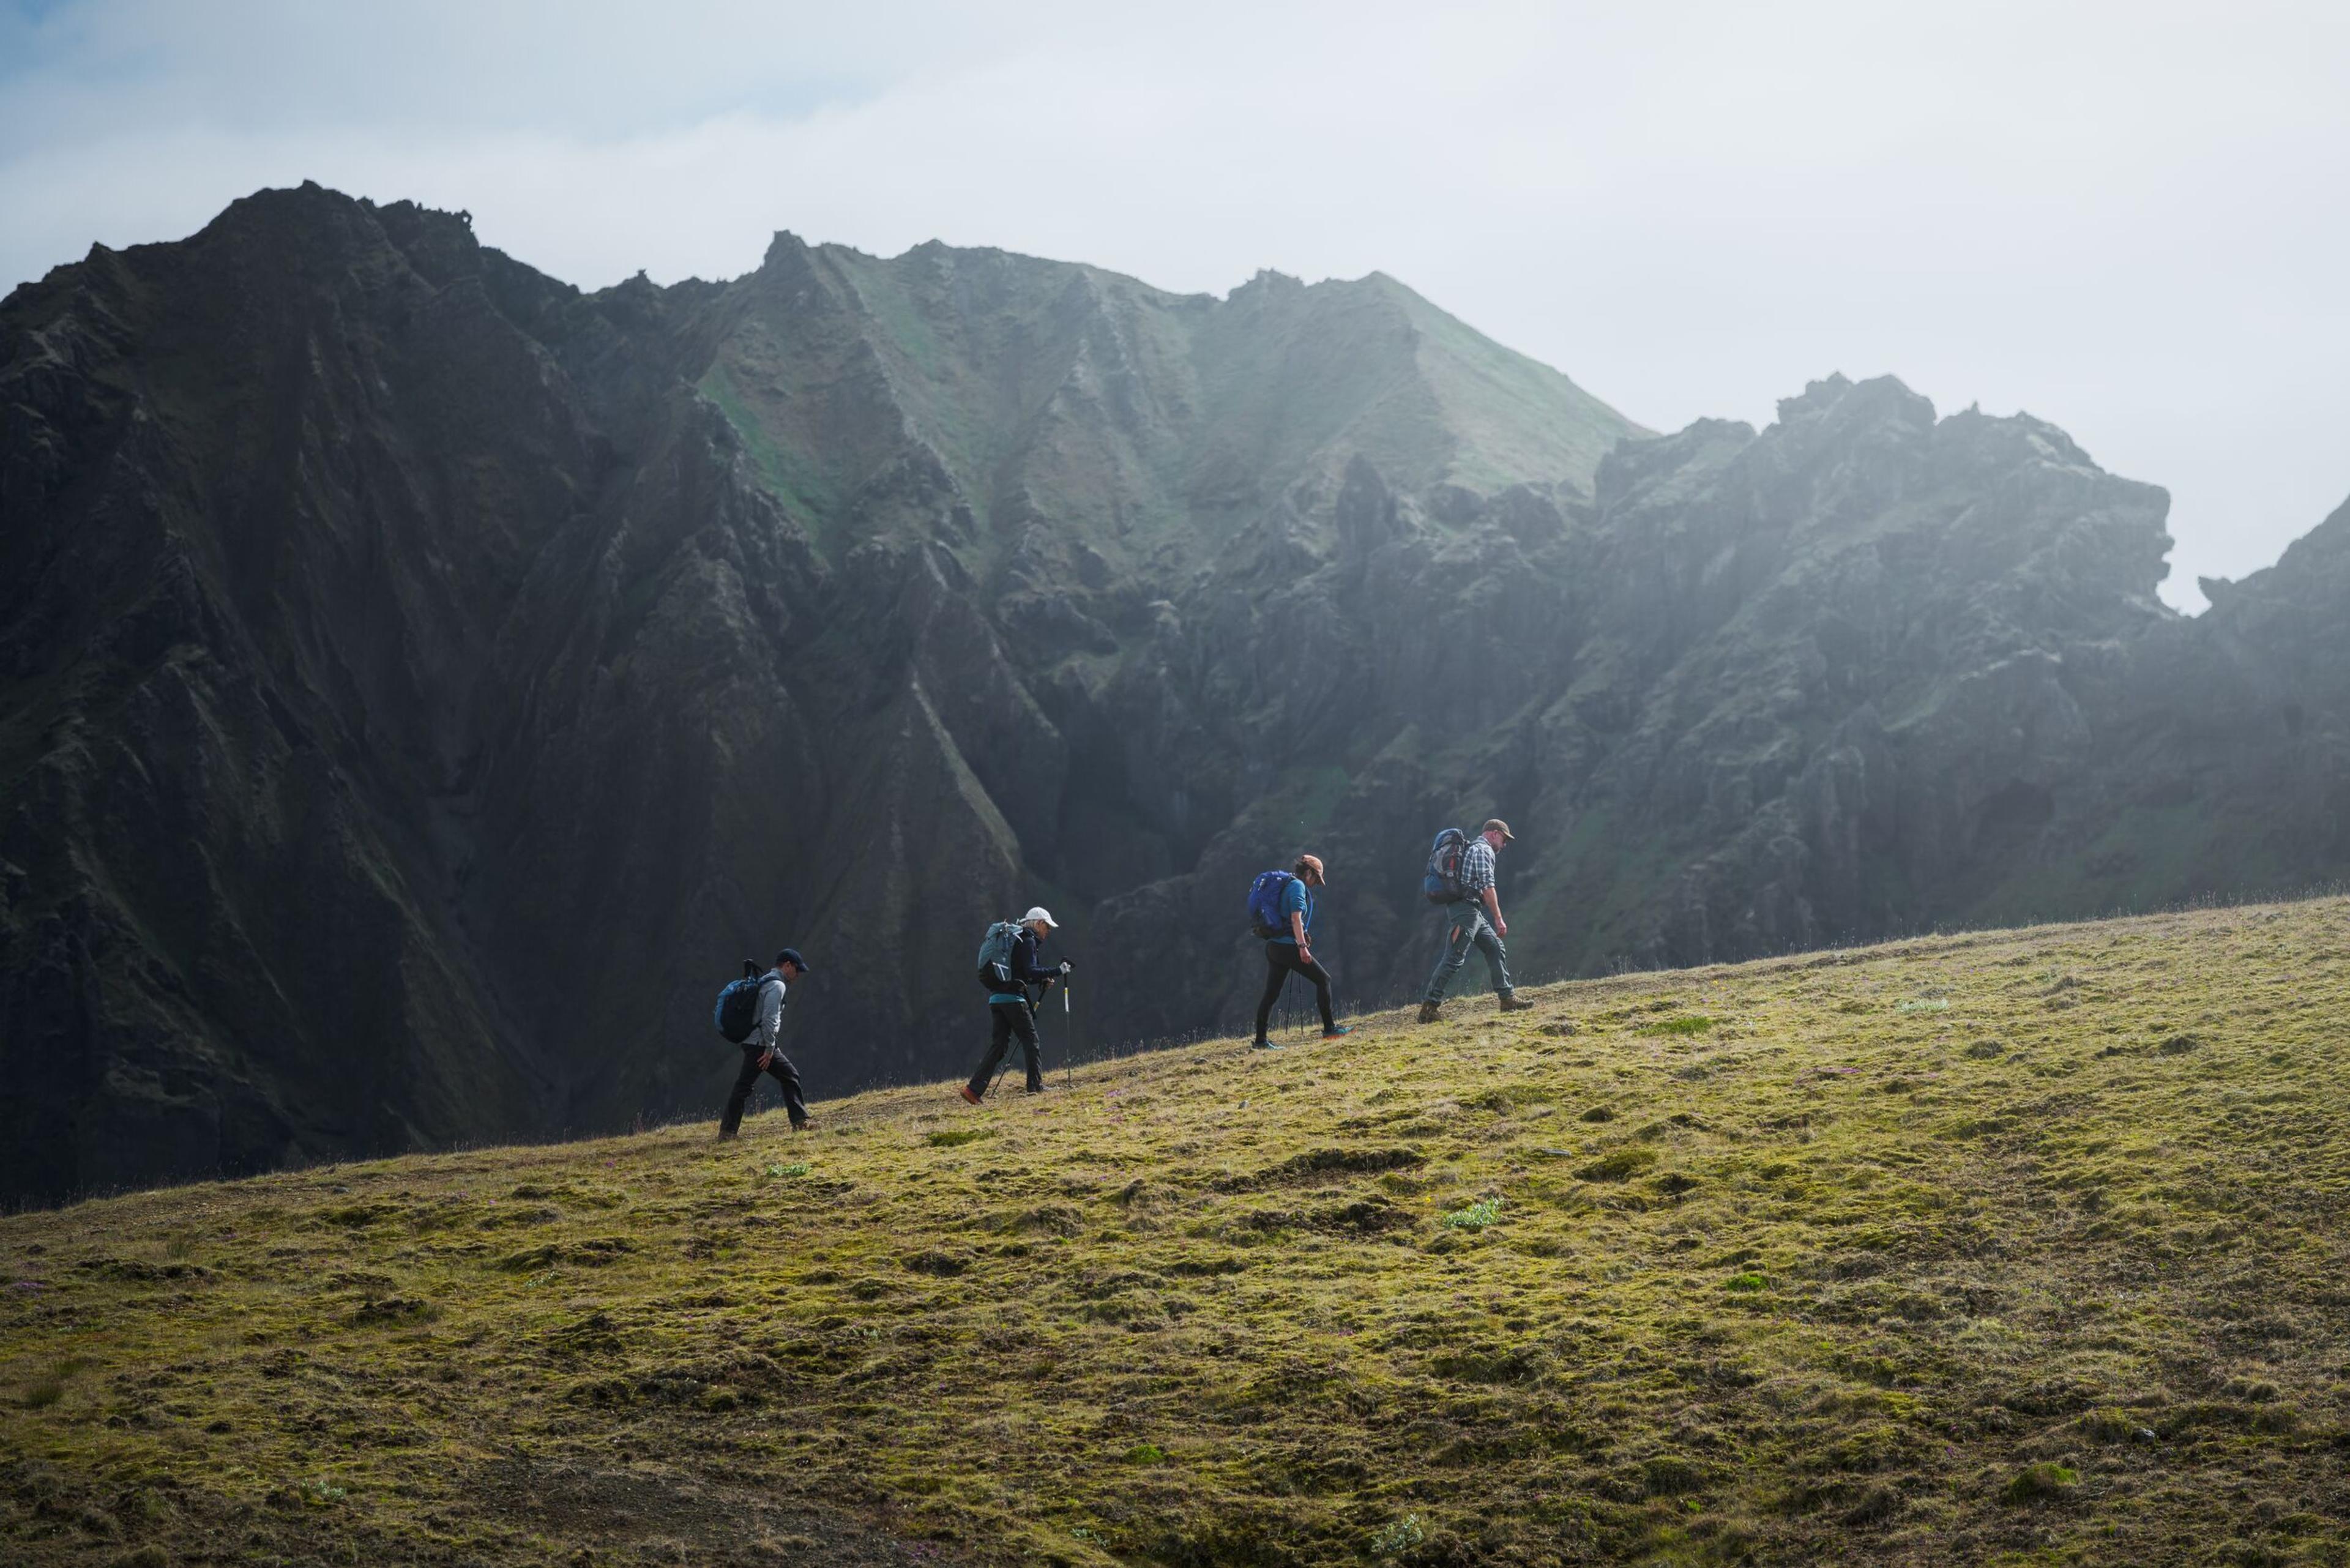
(1501, 927)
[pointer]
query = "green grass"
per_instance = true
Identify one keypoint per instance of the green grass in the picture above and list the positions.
(2021, 1280)
(2039, 1483)
(1475, 1216)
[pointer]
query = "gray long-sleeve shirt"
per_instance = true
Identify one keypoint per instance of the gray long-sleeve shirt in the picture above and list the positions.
(771, 1011)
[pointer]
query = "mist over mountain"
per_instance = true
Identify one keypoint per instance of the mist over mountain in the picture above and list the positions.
(420, 682)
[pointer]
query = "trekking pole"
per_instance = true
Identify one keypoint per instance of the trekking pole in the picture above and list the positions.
(1068, 1038)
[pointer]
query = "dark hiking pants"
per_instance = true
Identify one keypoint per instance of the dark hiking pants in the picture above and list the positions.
(780, 1067)
(1012, 1019)
(1280, 963)
(1471, 928)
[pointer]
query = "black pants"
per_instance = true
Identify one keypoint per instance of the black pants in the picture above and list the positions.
(1280, 962)
(780, 1067)
(1011, 1019)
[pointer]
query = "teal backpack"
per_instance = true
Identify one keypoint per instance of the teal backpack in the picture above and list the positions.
(737, 1012)
(996, 955)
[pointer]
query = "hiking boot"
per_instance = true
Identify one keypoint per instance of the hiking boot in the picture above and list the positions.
(1265, 1045)
(966, 1094)
(1510, 1003)
(1338, 1030)
(806, 1123)
(1429, 1009)
(728, 1137)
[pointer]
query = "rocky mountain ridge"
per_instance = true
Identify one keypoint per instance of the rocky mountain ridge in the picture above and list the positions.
(421, 680)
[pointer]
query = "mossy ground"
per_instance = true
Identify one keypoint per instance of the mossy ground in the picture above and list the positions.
(2058, 1270)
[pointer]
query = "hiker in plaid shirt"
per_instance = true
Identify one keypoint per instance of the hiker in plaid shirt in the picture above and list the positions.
(1477, 922)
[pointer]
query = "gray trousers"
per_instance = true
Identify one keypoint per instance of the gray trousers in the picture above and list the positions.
(1473, 928)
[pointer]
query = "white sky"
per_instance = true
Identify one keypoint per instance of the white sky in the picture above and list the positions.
(2133, 219)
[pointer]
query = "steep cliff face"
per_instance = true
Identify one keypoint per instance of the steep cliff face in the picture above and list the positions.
(420, 682)
(265, 494)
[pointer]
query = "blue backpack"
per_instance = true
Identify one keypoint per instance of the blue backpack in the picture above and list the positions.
(996, 955)
(1442, 883)
(737, 1012)
(1264, 904)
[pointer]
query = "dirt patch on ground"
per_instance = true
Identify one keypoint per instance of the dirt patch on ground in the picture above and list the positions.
(647, 1513)
(516, 1510)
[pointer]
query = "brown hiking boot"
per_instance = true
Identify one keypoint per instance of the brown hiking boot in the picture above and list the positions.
(1429, 1009)
(966, 1094)
(1510, 1003)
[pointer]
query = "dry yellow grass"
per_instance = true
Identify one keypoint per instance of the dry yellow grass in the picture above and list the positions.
(2023, 1246)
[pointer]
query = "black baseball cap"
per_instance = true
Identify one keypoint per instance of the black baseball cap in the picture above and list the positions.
(792, 956)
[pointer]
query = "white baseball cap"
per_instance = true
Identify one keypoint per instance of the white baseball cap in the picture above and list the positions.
(1041, 913)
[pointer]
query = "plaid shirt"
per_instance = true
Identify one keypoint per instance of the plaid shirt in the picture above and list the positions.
(1476, 868)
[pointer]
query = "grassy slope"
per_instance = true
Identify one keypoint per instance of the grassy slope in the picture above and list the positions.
(2024, 1243)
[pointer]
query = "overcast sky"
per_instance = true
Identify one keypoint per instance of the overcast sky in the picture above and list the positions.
(2133, 219)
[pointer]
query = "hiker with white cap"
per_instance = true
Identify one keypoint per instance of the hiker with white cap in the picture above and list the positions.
(1008, 966)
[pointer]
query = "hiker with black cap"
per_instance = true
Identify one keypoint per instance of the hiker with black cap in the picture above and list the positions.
(1288, 898)
(761, 1054)
(1461, 875)
(1008, 966)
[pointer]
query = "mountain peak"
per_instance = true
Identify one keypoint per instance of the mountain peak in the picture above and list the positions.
(1059, 393)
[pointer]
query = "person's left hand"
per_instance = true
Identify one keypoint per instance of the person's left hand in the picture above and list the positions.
(767, 1060)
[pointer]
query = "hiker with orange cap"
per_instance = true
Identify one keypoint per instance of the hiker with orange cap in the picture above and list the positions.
(1460, 876)
(1008, 966)
(1281, 909)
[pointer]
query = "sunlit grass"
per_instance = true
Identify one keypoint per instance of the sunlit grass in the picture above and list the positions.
(1755, 1262)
